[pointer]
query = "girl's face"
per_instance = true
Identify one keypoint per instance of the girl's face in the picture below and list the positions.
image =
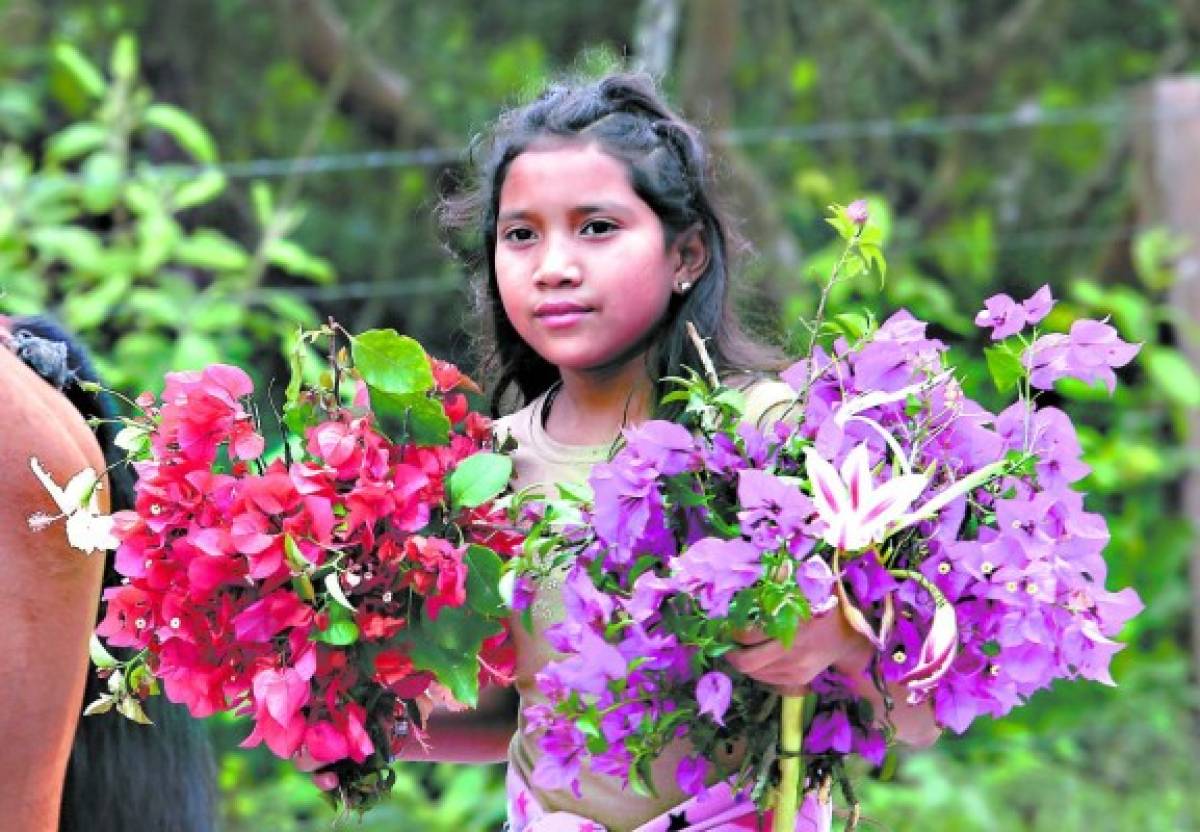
(581, 262)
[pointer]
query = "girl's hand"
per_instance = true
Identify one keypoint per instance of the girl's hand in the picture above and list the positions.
(915, 724)
(822, 641)
(829, 641)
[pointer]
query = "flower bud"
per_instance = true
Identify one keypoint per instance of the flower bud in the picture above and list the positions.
(858, 212)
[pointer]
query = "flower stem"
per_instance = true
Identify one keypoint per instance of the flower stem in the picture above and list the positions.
(791, 734)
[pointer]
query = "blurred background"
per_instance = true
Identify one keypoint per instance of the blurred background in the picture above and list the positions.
(185, 181)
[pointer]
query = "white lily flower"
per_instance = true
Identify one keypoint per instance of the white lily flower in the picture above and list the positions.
(856, 511)
(852, 407)
(87, 529)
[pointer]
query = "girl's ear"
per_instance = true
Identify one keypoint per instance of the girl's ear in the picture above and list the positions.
(689, 255)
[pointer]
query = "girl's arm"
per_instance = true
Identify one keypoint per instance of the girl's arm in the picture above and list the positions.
(50, 593)
(481, 735)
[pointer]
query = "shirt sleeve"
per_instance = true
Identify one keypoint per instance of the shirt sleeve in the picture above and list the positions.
(769, 401)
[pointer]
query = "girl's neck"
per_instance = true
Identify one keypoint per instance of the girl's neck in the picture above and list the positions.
(591, 407)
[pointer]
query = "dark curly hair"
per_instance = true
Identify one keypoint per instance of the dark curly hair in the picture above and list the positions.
(670, 169)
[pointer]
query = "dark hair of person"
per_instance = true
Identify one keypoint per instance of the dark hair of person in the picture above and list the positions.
(670, 169)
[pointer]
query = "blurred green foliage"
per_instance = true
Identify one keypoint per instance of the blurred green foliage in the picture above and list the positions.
(115, 215)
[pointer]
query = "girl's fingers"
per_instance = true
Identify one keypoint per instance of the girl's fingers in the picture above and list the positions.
(750, 660)
(751, 637)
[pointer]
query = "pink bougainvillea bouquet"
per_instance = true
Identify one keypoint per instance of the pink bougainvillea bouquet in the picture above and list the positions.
(333, 591)
(949, 537)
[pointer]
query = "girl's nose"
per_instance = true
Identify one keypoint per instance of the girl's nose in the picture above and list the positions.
(558, 267)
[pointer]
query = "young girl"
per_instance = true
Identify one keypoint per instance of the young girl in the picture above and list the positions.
(601, 240)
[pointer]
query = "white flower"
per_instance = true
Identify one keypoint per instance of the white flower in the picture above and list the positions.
(850, 408)
(87, 529)
(856, 511)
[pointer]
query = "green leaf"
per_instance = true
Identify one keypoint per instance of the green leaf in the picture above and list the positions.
(124, 61)
(79, 69)
(84, 311)
(424, 419)
(300, 417)
(294, 260)
(99, 655)
(157, 235)
(852, 325)
(74, 141)
(735, 400)
(483, 581)
(263, 201)
(207, 249)
(1173, 375)
(291, 308)
(199, 190)
(391, 362)
(1004, 366)
(79, 247)
(154, 307)
(449, 648)
(478, 478)
(295, 557)
(184, 129)
(130, 708)
(342, 630)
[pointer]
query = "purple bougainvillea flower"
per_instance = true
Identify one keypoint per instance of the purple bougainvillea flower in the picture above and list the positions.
(589, 670)
(1004, 315)
(649, 590)
(816, 580)
(691, 774)
(714, 691)
(714, 570)
(1038, 305)
(774, 512)
(669, 448)
(627, 502)
(1090, 352)
(829, 731)
(1095, 350)
(558, 768)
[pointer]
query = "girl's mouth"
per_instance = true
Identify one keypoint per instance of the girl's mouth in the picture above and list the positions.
(560, 315)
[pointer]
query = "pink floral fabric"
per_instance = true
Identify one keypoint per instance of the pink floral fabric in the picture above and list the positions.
(720, 810)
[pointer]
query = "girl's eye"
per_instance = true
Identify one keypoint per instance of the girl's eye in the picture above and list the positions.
(598, 228)
(518, 235)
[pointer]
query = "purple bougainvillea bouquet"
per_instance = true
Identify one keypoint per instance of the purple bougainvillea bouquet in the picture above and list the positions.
(950, 537)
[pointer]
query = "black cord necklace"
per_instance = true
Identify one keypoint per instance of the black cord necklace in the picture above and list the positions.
(551, 392)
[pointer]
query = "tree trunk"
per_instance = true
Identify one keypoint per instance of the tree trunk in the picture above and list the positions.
(1167, 148)
(706, 81)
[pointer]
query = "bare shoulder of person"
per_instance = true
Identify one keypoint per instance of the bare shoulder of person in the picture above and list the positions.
(51, 595)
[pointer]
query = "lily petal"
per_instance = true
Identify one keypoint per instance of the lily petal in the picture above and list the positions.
(829, 493)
